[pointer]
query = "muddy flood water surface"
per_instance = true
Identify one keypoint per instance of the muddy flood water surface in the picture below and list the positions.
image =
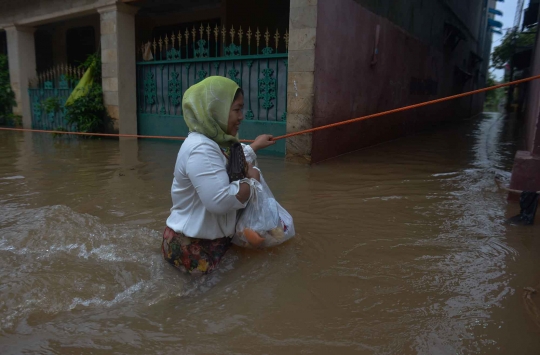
(400, 249)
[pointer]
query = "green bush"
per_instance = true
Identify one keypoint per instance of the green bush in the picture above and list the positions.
(91, 59)
(493, 97)
(15, 120)
(7, 96)
(51, 104)
(88, 112)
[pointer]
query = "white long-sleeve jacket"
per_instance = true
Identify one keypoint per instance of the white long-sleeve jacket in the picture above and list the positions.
(204, 202)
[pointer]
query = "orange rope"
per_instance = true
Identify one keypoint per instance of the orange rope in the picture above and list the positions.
(410, 107)
(406, 108)
(102, 134)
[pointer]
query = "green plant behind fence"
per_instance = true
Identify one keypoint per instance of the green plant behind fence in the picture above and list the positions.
(7, 96)
(88, 112)
(50, 90)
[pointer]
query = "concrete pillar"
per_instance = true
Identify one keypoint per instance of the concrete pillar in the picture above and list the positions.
(118, 56)
(22, 67)
(300, 88)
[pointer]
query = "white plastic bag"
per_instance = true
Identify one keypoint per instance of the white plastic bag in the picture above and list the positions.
(265, 216)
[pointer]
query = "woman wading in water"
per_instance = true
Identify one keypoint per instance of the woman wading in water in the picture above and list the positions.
(211, 178)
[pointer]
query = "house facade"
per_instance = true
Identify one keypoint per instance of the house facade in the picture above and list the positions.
(301, 63)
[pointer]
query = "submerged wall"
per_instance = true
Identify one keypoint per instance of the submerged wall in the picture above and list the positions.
(412, 66)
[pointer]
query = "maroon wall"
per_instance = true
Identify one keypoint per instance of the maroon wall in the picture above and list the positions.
(347, 86)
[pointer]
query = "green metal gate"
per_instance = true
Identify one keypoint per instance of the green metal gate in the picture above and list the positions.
(48, 93)
(175, 63)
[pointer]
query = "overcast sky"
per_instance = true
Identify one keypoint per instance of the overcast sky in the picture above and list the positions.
(508, 8)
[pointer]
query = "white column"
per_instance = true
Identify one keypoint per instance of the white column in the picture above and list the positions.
(22, 67)
(118, 55)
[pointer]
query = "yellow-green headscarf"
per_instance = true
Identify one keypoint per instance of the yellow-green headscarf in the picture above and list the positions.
(206, 107)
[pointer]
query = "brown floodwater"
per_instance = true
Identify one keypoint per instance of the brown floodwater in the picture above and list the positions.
(401, 249)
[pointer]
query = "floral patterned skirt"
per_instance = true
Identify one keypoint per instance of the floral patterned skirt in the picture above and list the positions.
(196, 256)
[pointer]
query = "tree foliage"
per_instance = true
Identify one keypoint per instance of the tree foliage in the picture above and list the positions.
(503, 52)
(88, 112)
(493, 97)
(7, 96)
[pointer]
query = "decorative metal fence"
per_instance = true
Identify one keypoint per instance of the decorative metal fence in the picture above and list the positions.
(48, 93)
(172, 64)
